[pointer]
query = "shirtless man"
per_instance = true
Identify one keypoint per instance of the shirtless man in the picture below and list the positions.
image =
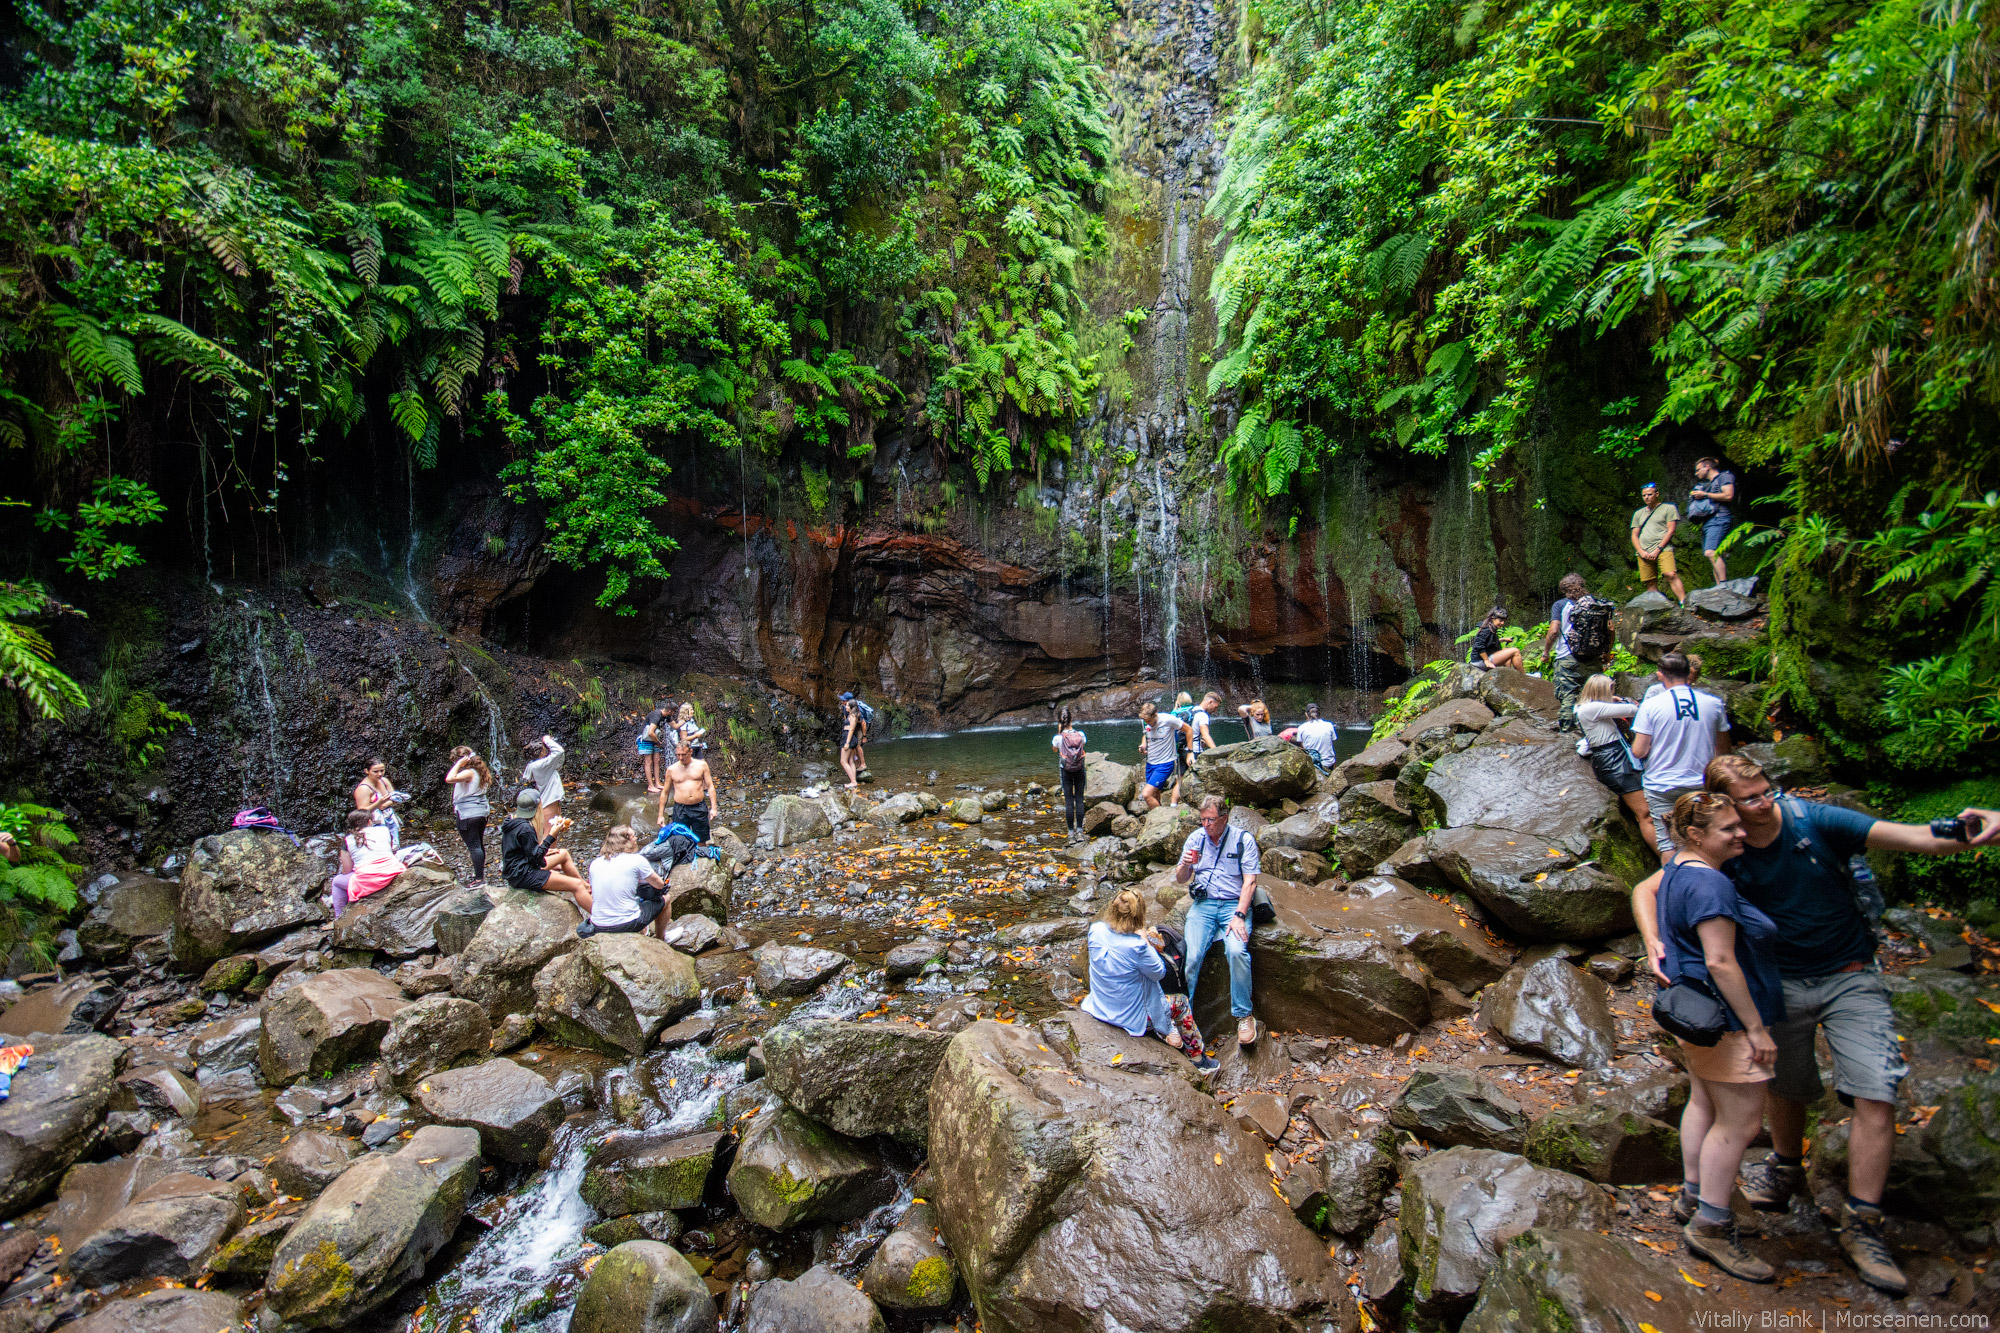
(688, 778)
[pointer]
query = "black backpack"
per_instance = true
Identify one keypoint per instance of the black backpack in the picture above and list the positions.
(1589, 638)
(1175, 954)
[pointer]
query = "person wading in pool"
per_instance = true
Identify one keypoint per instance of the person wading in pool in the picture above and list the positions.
(1156, 745)
(690, 781)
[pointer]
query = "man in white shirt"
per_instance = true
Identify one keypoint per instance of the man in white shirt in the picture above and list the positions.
(1316, 738)
(1675, 734)
(1223, 862)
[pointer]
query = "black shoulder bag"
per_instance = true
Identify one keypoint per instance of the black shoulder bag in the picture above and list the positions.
(1689, 1009)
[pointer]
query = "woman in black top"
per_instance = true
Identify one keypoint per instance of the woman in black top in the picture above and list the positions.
(1486, 648)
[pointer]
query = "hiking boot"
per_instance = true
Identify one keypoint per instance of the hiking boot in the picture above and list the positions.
(1861, 1241)
(1718, 1243)
(1770, 1184)
(1746, 1222)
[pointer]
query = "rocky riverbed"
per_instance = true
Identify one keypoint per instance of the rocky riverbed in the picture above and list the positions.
(848, 1089)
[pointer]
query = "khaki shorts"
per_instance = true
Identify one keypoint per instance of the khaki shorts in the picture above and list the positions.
(1852, 1008)
(1652, 569)
(1728, 1061)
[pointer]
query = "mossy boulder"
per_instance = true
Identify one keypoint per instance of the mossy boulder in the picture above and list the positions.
(1610, 1145)
(650, 1173)
(228, 975)
(514, 941)
(644, 1286)
(910, 1270)
(1262, 772)
(615, 992)
(790, 1170)
(242, 889)
(1461, 1207)
(858, 1079)
(1567, 1280)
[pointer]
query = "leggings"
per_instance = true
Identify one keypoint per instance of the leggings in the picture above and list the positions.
(473, 831)
(340, 883)
(1072, 789)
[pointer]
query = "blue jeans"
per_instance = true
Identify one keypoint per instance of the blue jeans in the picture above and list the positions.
(1207, 921)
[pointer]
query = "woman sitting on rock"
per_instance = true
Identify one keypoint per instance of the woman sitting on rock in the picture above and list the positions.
(627, 894)
(377, 795)
(1487, 650)
(1599, 710)
(368, 862)
(1716, 940)
(539, 866)
(1126, 971)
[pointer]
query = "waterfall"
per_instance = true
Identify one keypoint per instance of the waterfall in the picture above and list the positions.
(1357, 518)
(410, 546)
(1104, 549)
(496, 727)
(270, 709)
(1166, 550)
(1461, 555)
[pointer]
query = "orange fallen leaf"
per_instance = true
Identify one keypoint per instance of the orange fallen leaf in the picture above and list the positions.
(1692, 1282)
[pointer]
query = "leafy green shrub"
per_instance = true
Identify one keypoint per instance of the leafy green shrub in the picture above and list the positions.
(36, 893)
(1425, 689)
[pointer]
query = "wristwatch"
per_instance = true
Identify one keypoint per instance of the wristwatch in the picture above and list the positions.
(1238, 914)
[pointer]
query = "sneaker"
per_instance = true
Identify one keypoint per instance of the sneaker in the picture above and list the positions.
(1208, 1064)
(1770, 1184)
(585, 931)
(1861, 1241)
(1718, 1243)
(1246, 1032)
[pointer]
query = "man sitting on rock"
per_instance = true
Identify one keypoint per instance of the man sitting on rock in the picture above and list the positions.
(1223, 863)
(1794, 868)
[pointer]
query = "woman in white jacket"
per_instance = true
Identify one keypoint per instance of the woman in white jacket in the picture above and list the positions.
(544, 774)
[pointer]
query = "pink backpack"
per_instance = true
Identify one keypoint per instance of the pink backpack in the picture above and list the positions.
(1070, 751)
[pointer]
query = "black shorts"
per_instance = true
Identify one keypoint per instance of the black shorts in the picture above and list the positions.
(694, 816)
(649, 912)
(533, 880)
(1614, 769)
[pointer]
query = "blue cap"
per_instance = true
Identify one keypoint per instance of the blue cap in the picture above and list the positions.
(1650, 486)
(846, 695)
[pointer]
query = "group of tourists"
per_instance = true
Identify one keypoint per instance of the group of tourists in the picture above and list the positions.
(1142, 978)
(1760, 931)
(664, 731)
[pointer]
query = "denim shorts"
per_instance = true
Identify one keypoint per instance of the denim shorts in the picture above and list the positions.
(1852, 1008)
(1160, 775)
(1713, 530)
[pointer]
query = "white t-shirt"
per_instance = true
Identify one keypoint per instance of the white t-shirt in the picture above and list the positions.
(614, 888)
(1317, 738)
(1197, 722)
(1160, 739)
(1599, 719)
(370, 844)
(1683, 722)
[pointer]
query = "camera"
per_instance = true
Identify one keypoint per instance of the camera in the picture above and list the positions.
(1954, 829)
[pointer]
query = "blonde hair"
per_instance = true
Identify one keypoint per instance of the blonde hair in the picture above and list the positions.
(619, 838)
(687, 712)
(1698, 810)
(1258, 711)
(1694, 667)
(1727, 768)
(1183, 699)
(1125, 913)
(1599, 689)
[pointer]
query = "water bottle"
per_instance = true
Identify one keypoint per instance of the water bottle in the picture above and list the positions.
(1867, 893)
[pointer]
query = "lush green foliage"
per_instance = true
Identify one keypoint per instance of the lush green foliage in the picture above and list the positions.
(1787, 204)
(573, 236)
(38, 890)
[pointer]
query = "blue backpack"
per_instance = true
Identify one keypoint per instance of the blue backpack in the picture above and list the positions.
(676, 845)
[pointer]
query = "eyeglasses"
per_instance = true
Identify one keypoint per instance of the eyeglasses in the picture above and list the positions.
(1761, 799)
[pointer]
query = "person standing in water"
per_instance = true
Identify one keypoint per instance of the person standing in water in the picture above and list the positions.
(652, 738)
(1070, 769)
(376, 795)
(1156, 745)
(691, 788)
(544, 774)
(470, 780)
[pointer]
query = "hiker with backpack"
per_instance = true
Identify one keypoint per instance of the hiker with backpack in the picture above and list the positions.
(1220, 864)
(1708, 504)
(1129, 968)
(1674, 734)
(1070, 769)
(1580, 633)
(1653, 527)
(1801, 865)
(852, 730)
(1156, 745)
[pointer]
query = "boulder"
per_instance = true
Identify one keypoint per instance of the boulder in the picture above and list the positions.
(95, 1192)
(1162, 833)
(649, 1173)
(614, 993)
(373, 1230)
(1538, 789)
(1453, 715)
(310, 1161)
(1723, 603)
(1379, 760)
(169, 1230)
(59, 1097)
(1950, 1172)
(1106, 781)
(457, 919)
(1099, 818)
(1260, 772)
(1610, 1145)
(1076, 1169)
(910, 1270)
(1462, 1205)
(1507, 692)
(818, 1301)
(81, 1004)
(328, 1020)
(643, 1286)
(662, 1226)
(172, 1310)
(691, 934)
(513, 1108)
(1310, 830)
(136, 907)
(910, 960)
(226, 1044)
(166, 1093)
(243, 889)
(515, 940)
(1342, 1189)
(228, 975)
(1289, 863)
(1551, 1008)
(1455, 951)
(858, 1079)
(791, 969)
(436, 1032)
(897, 810)
(1362, 843)
(1565, 1280)
(1450, 1107)
(1535, 887)
(401, 919)
(790, 1170)
(1796, 761)
(789, 820)
(699, 888)
(1312, 972)
(964, 810)
(246, 1256)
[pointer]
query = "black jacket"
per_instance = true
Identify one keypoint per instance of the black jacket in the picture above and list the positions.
(521, 852)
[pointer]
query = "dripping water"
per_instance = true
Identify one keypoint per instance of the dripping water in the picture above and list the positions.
(410, 545)
(496, 727)
(270, 705)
